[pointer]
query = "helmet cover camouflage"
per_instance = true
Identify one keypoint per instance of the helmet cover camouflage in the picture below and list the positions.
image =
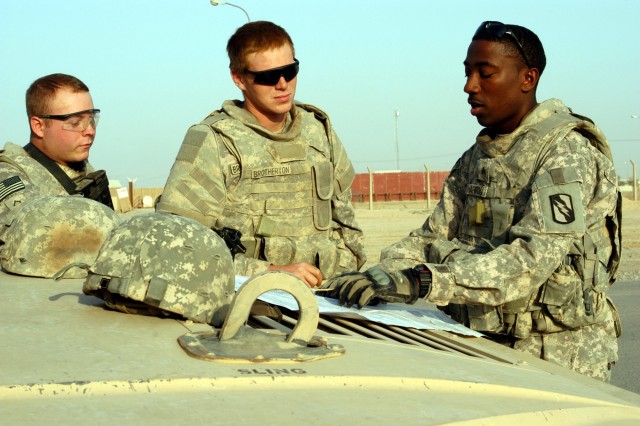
(167, 262)
(47, 233)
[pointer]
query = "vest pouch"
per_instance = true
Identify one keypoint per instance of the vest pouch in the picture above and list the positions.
(602, 274)
(457, 313)
(518, 322)
(522, 327)
(279, 250)
(502, 218)
(563, 298)
(485, 318)
(323, 185)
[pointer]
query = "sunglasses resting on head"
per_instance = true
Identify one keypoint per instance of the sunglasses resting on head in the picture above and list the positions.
(499, 30)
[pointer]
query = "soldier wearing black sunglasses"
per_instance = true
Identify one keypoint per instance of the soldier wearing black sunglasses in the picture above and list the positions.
(526, 238)
(269, 171)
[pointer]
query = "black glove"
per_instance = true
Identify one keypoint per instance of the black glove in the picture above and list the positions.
(375, 284)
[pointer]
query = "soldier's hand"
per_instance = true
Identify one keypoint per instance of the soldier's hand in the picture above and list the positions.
(303, 270)
(363, 288)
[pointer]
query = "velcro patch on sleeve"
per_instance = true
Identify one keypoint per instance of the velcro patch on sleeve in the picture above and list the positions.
(561, 209)
(10, 186)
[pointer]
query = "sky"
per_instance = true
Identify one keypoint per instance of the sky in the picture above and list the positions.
(388, 73)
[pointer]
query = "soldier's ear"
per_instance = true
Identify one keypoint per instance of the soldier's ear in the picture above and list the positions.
(37, 126)
(530, 79)
(238, 80)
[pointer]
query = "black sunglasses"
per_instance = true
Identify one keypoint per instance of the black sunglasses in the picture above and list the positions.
(272, 77)
(499, 30)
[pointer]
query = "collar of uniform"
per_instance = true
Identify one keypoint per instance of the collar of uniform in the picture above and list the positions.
(236, 111)
(494, 145)
(79, 171)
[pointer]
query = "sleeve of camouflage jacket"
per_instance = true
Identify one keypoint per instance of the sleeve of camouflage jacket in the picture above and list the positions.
(195, 184)
(434, 241)
(343, 213)
(8, 173)
(538, 245)
(196, 188)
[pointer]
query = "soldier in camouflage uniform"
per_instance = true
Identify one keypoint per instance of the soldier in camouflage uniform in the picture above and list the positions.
(525, 240)
(63, 126)
(270, 168)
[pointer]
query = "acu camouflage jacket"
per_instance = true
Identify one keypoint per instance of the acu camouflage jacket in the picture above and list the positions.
(526, 235)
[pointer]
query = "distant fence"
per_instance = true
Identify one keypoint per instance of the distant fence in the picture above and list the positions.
(397, 186)
(386, 186)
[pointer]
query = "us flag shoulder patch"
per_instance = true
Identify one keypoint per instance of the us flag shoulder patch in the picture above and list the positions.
(9, 186)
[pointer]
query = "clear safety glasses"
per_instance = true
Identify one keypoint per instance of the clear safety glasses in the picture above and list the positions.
(77, 121)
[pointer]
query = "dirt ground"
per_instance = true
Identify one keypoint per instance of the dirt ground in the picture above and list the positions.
(390, 221)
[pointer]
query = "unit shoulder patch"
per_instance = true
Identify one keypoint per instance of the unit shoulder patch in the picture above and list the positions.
(562, 208)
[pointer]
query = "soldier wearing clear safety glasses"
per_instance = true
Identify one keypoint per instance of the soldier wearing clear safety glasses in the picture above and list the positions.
(270, 169)
(63, 125)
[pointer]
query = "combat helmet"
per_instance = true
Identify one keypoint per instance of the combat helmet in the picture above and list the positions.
(47, 233)
(164, 264)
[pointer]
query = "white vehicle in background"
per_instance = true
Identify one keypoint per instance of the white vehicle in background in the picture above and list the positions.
(66, 359)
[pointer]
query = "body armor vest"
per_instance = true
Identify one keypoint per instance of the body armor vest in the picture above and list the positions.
(281, 192)
(497, 194)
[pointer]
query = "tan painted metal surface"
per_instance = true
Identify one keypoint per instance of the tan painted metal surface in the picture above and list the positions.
(65, 359)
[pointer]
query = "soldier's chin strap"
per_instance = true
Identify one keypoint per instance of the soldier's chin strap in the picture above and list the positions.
(60, 274)
(94, 186)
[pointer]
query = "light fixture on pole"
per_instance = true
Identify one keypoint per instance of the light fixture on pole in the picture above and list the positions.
(217, 3)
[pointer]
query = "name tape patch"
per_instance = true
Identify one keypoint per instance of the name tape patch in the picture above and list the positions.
(270, 172)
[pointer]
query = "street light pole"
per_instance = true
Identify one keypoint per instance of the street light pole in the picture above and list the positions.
(397, 114)
(217, 3)
(635, 178)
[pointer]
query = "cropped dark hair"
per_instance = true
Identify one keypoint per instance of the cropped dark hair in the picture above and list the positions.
(531, 45)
